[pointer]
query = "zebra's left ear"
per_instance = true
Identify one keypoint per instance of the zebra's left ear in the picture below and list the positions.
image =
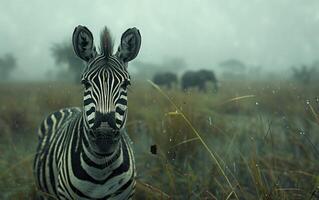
(130, 45)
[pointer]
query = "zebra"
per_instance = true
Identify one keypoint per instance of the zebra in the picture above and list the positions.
(86, 153)
(198, 79)
(165, 79)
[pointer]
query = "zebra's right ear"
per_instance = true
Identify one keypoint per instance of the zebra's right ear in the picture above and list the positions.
(83, 44)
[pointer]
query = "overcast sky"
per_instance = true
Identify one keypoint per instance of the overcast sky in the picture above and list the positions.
(272, 33)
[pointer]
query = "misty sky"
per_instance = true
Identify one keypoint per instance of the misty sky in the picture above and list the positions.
(273, 33)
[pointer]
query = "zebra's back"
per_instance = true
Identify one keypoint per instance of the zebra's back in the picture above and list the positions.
(50, 134)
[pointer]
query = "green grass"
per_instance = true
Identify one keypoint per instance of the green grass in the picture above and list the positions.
(261, 139)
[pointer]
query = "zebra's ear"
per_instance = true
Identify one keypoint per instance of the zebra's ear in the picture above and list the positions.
(130, 45)
(83, 44)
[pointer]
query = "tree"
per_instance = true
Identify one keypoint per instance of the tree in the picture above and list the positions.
(233, 65)
(7, 64)
(64, 55)
(146, 70)
(304, 74)
(233, 69)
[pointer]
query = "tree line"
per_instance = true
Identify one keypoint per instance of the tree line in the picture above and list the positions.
(70, 67)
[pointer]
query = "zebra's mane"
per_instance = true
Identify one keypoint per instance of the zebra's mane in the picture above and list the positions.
(106, 42)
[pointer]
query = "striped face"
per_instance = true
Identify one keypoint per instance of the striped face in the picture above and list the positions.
(105, 80)
(105, 94)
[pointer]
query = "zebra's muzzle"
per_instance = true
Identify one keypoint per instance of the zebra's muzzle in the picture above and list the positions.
(105, 140)
(105, 132)
(104, 121)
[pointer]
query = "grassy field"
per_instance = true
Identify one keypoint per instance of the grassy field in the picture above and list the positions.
(252, 140)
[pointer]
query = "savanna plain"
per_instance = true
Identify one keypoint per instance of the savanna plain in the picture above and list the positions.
(251, 140)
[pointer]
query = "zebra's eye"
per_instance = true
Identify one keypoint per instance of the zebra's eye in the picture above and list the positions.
(125, 84)
(86, 83)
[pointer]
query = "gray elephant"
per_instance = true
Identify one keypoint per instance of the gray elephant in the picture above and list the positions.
(198, 79)
(166, 79)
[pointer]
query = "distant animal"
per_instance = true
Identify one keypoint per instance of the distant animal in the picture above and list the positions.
(166, 79)
(86, 153)
(198, 79)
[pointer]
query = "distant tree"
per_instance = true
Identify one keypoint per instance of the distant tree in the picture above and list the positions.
(233, 69)
(145, 70)
(233, 64)
(7, 64)
(304, 74)
(174, 64)
(64, 55)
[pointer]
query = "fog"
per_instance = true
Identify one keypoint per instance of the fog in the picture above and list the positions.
(273, 34)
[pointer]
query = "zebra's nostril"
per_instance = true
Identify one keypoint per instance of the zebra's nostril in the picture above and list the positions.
(108, 117)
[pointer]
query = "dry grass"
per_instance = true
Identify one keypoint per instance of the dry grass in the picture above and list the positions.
(264, 145)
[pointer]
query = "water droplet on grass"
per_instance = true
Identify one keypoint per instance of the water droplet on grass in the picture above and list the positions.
(210, 121)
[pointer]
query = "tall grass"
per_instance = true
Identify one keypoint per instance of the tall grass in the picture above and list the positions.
(264, 146)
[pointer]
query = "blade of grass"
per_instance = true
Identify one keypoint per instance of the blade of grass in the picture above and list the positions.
(314, 113)
(236, 99)
(229, 195)
(153, 188)
(196, 133)
(184, 142)
(211, 195)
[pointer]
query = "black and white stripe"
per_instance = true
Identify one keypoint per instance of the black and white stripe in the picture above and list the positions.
(87, 154)
(113, 95)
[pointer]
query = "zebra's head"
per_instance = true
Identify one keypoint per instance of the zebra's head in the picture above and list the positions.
(106, 80)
